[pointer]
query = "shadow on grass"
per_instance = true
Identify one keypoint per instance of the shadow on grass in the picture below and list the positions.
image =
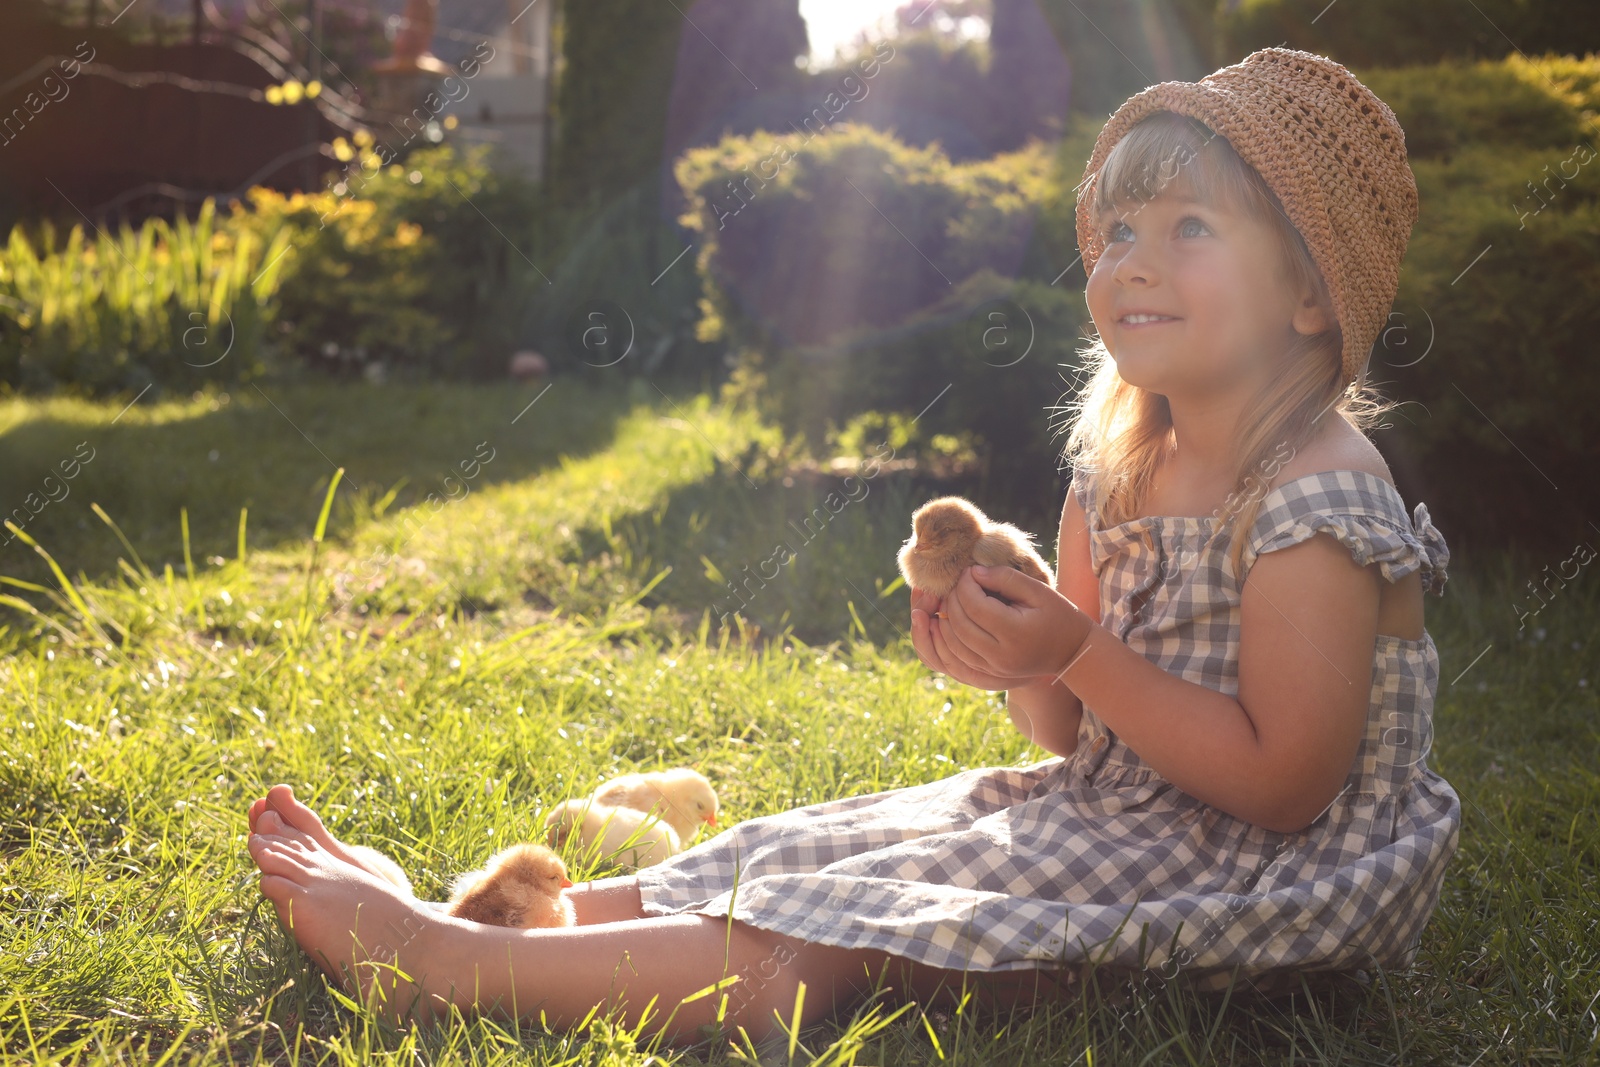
(804, 551)
(272, 450)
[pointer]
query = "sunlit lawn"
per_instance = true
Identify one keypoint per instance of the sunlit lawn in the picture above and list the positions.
(442, 670)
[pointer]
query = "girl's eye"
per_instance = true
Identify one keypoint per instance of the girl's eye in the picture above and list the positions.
(1112, 232)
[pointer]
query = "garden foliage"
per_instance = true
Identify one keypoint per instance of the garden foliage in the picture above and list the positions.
(1382, 33)
(118, 311)
(852, 272)
(418, 265)
(421, 265)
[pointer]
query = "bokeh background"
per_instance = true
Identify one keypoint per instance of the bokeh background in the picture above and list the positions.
(831, 211)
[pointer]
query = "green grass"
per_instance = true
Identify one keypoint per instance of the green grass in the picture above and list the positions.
(434, 681)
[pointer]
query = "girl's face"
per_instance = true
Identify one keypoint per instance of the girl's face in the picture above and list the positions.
(1215, 280)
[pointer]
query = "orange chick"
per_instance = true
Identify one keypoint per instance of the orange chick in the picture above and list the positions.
(682, 797)
(629, 838)
(519, 886)
(950, 534)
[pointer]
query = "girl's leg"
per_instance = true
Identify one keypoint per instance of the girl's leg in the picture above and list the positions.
(606, 900)
(602, 901)
(413, 961)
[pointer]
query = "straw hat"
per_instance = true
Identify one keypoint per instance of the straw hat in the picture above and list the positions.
(1332, 152)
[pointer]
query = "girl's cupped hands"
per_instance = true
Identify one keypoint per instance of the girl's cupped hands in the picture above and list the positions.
(985, 642)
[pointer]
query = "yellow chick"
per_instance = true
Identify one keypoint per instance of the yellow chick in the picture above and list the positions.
(629, 838)
(950, 534)
(682, 797)
(382, 865)
(519, 886)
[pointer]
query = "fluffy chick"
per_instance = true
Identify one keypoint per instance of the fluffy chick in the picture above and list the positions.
(622, 836)
(950, 534)
(682, 797)
(519, 886)
(383, 865)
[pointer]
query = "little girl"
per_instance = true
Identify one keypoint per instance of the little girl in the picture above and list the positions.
(1232, 666)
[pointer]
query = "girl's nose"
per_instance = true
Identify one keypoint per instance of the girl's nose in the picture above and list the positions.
(1137, 266)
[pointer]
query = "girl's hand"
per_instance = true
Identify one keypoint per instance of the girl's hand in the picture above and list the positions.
(927, 637)
(1028, 641)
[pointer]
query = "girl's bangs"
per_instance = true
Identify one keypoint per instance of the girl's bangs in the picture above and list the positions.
(1171, 154)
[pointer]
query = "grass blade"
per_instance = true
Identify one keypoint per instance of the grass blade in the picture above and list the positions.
(98, 510)
(794, 1023)
(327, 506)
(67, 587)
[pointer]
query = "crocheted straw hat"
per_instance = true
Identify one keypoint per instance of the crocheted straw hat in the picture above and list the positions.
(1326, 145)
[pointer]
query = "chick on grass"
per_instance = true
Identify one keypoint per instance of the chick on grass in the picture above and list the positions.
(636, 820)
(949, 535)
(683, 798)
(629, 839)
(519, 886)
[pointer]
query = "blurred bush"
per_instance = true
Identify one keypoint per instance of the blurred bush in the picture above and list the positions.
(180, 303)
(1492, 332)
(419, 265)
(622, 296)
(856, 276)
(1383, 33)
(804, 239)
(357, 290)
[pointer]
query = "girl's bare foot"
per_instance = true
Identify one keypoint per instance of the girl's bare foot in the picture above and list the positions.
(281, 799)
(388, 948)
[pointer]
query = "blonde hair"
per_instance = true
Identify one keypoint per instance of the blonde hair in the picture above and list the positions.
(1120, 431)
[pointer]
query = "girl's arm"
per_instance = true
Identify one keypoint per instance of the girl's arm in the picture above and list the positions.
(1279, 753)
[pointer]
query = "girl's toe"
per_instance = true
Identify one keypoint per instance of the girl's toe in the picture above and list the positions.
(282, 798)
(275, 826)
(273, 858)
(278, 889)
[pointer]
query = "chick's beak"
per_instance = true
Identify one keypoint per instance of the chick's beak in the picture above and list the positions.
(711, 820)
(566, 883)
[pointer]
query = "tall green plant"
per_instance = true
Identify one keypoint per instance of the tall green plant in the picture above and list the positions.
(116, 311)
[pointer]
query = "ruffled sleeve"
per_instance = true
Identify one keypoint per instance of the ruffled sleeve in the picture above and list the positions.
(1085, 488)
(1363, 513)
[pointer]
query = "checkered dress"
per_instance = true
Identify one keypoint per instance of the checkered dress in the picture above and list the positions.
(1095, 856)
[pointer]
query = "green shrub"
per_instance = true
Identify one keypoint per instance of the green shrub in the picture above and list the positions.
(179, 303)
(1382, 33)
(1492, 331)
(622, 295)
(1511, 103)
(417, 265)
(805, 238)
(358, 289)
(966, 386)
(1508, 393)
(422, 265)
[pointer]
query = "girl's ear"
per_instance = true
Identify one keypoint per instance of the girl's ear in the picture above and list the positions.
(1310, 317)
